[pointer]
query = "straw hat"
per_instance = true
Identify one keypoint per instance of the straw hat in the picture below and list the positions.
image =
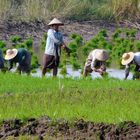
(101, 55)
(10, 54)
(56, 21)
(127, 58)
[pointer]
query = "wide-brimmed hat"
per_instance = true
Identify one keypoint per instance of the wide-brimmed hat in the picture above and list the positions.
(101, 55)
(10, 54)
(127, 58)
(55, 21)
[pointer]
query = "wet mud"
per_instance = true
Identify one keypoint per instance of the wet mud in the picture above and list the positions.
(64, 130)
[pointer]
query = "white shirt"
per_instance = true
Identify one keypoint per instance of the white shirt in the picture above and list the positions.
(92, 61)
(50, 43)
(137, 58)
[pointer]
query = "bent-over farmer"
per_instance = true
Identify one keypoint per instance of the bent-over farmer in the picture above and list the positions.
(96, 61)
(131, 58)
(20, 56)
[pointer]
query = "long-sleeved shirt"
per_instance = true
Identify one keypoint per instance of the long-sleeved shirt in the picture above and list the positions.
(93, 62)
(19, 58)
(54, 39)
(136, 61)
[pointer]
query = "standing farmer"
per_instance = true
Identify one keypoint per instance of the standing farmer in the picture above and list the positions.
(21, 57)
(96, 61)
(131, 58)
(53, 47)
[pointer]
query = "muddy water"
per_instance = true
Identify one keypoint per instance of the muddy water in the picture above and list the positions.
(115, 73)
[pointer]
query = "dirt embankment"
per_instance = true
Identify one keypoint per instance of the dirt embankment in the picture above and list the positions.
(61, 129)
(36, 30)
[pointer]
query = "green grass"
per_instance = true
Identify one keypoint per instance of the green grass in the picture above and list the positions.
(42, 10)
(100, 100)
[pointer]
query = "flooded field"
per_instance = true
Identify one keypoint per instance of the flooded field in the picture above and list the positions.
(115, 73)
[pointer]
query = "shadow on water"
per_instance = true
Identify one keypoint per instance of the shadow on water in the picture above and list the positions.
(115, 73)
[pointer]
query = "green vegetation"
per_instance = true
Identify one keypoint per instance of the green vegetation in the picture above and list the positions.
(19, 42)
(120, 41)
(100, 100)
(42, 10)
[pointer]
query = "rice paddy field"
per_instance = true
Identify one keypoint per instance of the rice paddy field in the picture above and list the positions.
(66, 108)
(48, 108)
(99, 100)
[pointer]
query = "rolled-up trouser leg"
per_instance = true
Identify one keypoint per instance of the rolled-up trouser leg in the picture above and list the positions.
(55, 70)
(44, 64)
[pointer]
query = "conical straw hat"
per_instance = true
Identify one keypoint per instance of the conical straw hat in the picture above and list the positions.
(56, 21)
(127, 58)
(101, 55)
(10, 54)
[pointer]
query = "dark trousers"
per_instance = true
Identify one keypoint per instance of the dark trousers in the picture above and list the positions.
(25, 67)
(50, 62)
(136, 74)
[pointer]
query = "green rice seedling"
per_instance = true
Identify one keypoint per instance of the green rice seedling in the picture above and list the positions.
(92, 43)
(75, 64)
(73, 35)
(137, 43)
(116, 33)
(2, 44)
(86, 50)
(33, 71)
(16, 39)
(103, 33)
(74, 54)
(43, 41)
(29, 43)
(34, 62)
(130, 32)
(102, 44)
(21, 45)
(109, 46)
(4, 50)
(79, 40)
(119, 40)
(73, 46)
(63, 70)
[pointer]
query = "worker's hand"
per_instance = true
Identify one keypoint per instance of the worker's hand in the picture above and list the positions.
(63, 46)
(101, 71)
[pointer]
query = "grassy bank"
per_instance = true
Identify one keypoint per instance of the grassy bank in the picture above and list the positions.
(31, 10)
(100, 100)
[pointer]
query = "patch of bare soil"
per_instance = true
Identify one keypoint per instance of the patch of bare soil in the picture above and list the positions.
(36, 30)
(62, 129)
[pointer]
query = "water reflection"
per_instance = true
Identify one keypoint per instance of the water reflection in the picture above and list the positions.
(116, 73)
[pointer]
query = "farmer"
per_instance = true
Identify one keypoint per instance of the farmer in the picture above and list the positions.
(1, 60)
(53, 47)
(96, 61)
(129, 59)
(21, 57)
